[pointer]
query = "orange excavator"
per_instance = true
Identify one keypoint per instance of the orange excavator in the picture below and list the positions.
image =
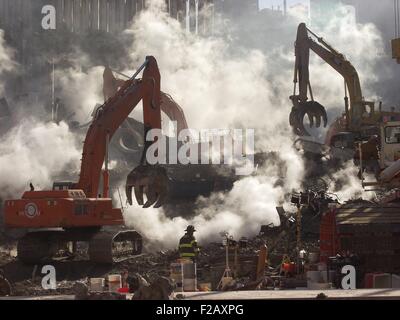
(82, 211)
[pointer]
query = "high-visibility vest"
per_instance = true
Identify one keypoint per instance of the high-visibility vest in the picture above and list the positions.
(188, 247)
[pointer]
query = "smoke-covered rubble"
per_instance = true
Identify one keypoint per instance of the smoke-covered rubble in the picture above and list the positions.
(218, 86)
(26, 280)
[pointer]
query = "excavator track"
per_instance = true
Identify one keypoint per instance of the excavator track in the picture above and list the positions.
(35, 247)
(109, 247)
(105, 246)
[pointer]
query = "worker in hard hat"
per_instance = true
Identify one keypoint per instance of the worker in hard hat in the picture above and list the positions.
(188, 248)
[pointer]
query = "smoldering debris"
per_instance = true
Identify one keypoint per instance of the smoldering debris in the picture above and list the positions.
(152, 266)
(228, 87)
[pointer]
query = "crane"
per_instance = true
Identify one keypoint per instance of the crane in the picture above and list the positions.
(73, 212)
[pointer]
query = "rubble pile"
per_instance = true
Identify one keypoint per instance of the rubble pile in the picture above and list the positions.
(153, 267)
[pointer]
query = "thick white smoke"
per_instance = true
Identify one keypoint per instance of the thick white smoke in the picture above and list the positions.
(219, 85)
(80, 90)
(35, 152)
(362, 45)
(31, 151)
(346, 185)
(216, 86)
(7, 64)
(219, 88)
(251, 203)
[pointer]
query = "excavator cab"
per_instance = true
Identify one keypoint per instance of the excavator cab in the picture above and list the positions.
(390, 143)
(387, 155)
(63, 185)
(74, 212)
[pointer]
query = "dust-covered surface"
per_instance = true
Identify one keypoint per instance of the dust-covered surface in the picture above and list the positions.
(239, 76)
(26, 279)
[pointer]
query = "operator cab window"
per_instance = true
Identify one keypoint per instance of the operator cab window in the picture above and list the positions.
(392, 135)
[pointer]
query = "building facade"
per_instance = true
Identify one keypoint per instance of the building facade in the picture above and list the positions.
(107, 15)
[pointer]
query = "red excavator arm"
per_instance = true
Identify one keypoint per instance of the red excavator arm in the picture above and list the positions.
(174, 112)
(74, 209)
(111, 115)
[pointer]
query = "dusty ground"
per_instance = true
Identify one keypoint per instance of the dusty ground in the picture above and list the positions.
(26, 279)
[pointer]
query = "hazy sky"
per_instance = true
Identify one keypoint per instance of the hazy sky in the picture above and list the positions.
(276, 3)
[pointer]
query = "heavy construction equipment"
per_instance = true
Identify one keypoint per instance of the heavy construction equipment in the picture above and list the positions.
(385, 160)
(81, 212)
(175, 187)
(360, 117)
(176, 183)
(169, 183)
(363, 231)
(128, 144)
(111, 85)
(371, 230)
(368, 230)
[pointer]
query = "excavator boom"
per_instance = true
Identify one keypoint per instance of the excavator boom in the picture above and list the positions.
(301, 104)
(111, 85)
(75, 209)
(109, 117)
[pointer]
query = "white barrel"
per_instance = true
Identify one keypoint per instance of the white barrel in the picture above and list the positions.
(189, 276)
(114, 282)
(97, 284)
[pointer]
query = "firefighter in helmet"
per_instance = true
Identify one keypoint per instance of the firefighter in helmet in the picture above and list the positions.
(188, 248)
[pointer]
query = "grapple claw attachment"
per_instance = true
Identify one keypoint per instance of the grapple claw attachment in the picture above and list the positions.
(172, 184)
(138, 195)
(315, 112)
(151, 196)
(148, 181)
(162, 198)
